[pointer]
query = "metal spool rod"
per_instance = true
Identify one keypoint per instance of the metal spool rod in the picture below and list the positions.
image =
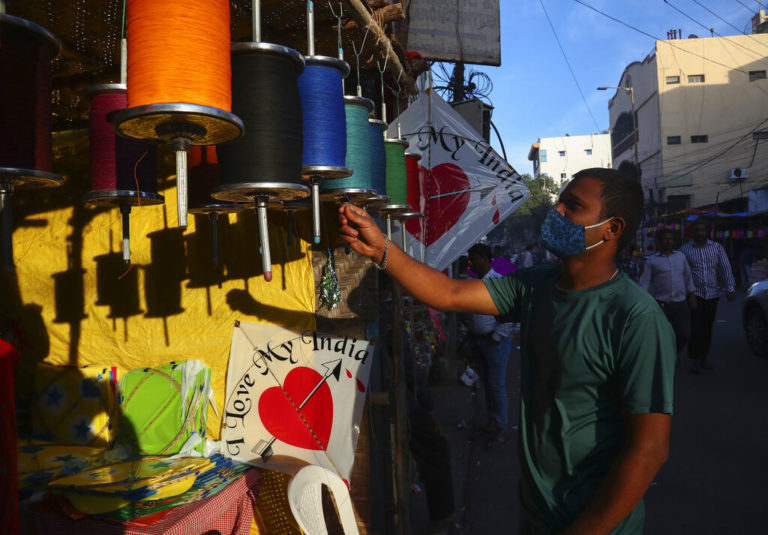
(266, 261)
(181, 145)
(403, 236)
(256, 20)
(389, 227)
(6, 227)
(125, 210)
(315, 182)
(310, 28)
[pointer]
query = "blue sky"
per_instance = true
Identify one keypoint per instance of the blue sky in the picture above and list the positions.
(534, 93)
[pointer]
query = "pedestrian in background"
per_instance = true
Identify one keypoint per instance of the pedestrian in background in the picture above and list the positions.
(712, 277)
(526, 258)
(667, 277)
(491, 348)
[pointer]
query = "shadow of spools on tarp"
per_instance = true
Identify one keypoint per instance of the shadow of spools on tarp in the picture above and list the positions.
(117, 287)
(164, 275)
(202, 271)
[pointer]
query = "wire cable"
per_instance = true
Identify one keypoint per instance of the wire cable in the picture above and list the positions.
(725, 21)
(638, 30)
(565, 57)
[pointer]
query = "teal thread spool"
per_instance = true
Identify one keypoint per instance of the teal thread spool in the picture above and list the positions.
(378, 162)
(397, 183)
(356, 187)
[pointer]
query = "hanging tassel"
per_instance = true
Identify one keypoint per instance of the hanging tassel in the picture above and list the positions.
(330, 294)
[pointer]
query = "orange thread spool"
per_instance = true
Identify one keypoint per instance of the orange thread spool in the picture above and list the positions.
(178, 51)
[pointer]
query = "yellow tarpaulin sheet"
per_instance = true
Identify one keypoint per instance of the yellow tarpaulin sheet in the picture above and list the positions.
(75, 301)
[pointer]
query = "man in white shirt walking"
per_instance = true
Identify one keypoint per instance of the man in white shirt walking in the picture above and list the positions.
(667, 277)
(712, 274)
(491, 347)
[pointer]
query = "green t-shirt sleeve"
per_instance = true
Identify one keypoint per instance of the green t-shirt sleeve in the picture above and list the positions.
(647, 364)
(506, 292)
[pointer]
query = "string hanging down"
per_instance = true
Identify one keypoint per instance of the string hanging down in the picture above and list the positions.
(265, 165)
(26, 51)
(179, 90)
(324, 126)
(356, 187)
(123, 171)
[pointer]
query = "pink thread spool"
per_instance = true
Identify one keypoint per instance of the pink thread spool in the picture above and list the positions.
(123, 170)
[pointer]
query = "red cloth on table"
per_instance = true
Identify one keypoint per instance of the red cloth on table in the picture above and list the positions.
(230, 512)
(9, 509)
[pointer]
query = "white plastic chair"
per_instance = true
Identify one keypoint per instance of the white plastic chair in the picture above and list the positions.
(306, 500)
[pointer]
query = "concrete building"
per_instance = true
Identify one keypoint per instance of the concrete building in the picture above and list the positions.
(701, 108)
(561, 157)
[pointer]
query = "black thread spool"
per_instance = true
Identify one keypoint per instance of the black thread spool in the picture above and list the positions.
(265, 165)
(204, 178)
(123, 170)
(26, 51)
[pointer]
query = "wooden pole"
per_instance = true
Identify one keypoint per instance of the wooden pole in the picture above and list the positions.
(400, 445)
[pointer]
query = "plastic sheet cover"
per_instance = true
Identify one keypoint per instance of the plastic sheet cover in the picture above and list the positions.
(76, 303)
(465, 187)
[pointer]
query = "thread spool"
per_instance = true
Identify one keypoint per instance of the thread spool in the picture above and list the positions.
(394, 149)
(123, 171)
(179, 90)
(26, 50)
(356, 187)
(203, 179)
(324, 126)
(417, 195)
(396, 177)
(377, 127)
(265, 165)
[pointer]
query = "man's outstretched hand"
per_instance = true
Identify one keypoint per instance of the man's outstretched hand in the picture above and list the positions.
(359, 230)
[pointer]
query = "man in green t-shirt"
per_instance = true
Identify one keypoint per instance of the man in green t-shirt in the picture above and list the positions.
(598, 356)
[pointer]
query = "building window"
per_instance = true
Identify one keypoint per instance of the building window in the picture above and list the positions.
(588, 151)
(673, 79)
(543, 155)
(700, 139)
(695, 78)
(561, 153)
(563, 176)
(676, 203)
(673, 140)
(756, 75)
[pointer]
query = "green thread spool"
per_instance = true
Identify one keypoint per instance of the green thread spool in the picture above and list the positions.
(358, 153)
(397, 183)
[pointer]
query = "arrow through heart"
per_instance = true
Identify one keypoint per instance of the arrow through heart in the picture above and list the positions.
(306, 425)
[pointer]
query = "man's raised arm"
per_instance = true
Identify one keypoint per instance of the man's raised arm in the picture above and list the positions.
(427, 285)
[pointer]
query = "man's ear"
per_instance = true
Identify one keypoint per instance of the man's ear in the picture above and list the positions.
(615, 228)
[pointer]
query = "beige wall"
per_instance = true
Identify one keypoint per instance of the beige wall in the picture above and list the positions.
(726, 108)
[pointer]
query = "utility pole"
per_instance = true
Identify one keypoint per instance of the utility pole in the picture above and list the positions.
(458, 82)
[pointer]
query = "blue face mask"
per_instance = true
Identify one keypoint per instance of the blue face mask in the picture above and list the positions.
(565, 238)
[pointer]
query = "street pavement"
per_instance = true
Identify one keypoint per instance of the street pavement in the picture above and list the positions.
(715, 481)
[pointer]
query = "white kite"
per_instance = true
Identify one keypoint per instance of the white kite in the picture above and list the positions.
(466, 188)
(294, 396)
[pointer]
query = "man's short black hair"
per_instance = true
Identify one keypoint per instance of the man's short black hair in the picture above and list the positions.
(659, 234)
(622, 197)
(481, 250)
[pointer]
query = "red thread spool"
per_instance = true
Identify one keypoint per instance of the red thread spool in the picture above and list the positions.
(26, 50)
(125, 167)
(123, 171)
(203, 178)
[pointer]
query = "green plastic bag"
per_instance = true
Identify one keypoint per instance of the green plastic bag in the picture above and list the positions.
(165, 409)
